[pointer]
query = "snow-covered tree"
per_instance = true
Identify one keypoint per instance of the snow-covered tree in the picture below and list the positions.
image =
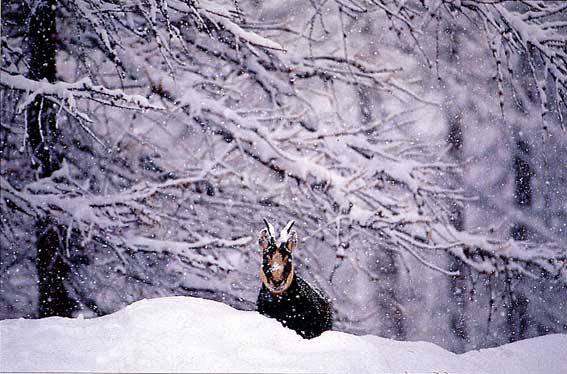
(514, 150)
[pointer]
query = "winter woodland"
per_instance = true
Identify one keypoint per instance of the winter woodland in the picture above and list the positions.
(420, 146)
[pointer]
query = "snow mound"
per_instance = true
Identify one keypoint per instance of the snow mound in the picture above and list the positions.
(184, 334)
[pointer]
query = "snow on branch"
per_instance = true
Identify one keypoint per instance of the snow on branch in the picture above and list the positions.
(187, 250)
(111, 217)
(536, 34)
(163, 22)
(355, 196)
(531, 30)
(107, 212)
(493, 256)
(70, 92)
(222, 18)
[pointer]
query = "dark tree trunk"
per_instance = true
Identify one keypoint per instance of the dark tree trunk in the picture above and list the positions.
(522, 186)
(42, 129)
(455, 141)
(52, 270)
(458, 284)
(517, 316)
(389, 302)
(43, 135)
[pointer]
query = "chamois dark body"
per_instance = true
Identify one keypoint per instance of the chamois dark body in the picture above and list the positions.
(301, 308)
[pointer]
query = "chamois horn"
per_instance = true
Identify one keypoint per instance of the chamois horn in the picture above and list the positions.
(271, 231)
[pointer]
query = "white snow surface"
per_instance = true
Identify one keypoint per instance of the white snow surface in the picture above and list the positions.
(184, 334)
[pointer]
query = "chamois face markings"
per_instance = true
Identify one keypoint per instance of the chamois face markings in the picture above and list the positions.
(277, 267)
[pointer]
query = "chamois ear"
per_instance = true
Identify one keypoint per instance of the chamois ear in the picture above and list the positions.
(291, 243)
(264, 239)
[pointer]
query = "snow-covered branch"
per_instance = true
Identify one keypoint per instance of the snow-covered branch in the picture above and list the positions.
(533, 31)
(69, 93)
(111, 216)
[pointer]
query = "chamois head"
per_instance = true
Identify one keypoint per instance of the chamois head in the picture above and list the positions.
(277, 266)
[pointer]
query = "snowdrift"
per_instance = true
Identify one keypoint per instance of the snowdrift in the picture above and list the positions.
(186, 334)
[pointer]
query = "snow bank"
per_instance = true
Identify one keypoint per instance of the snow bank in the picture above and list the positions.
(194, 335)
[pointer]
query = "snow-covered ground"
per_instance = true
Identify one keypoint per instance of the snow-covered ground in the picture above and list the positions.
(194, 335)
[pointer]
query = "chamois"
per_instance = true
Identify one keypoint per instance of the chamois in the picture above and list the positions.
(284, 295)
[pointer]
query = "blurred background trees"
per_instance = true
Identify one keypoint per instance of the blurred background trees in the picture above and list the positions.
(418, 145)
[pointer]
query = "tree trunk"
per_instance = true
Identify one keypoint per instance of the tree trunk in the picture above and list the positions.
(517, 316)
(389, 301)
(458, 287)
(43, 136)
(522, 187)
(458, 283)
